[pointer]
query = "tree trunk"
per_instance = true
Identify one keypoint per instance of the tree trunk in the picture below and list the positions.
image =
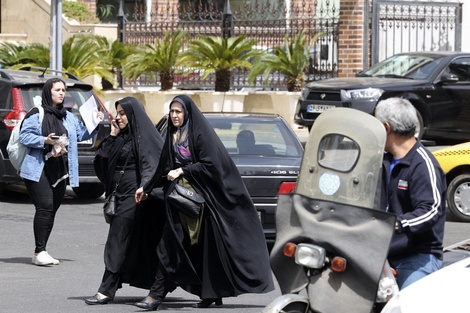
(166, 80)
(294, 84)
(222, 80)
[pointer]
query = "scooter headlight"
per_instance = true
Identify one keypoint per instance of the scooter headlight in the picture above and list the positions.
(309, 255)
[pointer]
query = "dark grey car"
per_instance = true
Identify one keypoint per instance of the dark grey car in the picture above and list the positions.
(268, 168)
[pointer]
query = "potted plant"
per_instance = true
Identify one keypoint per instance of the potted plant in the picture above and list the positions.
(160, 58)
(291, 60)
(221, 56)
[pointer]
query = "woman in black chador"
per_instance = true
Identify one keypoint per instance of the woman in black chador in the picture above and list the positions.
(133, 148)
(223, 252)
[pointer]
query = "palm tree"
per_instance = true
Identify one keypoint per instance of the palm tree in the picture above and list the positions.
(35, 54)
(290, 59)
(220, 56)
(83, 57)
(160, 58)
(113, 54)
(18, 54)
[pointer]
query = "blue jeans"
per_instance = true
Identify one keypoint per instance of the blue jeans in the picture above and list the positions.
(415, 267)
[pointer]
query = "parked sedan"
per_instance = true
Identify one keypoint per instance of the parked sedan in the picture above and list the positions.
(269, 167)
(455, 161)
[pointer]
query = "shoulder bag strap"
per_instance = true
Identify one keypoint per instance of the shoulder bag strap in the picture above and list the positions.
(122, 172)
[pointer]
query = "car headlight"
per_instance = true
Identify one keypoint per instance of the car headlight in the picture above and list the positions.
(372, 94)
(305, 93)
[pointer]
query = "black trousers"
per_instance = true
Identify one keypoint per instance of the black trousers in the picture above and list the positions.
(117, 245)
(162, 284)
(47, 200)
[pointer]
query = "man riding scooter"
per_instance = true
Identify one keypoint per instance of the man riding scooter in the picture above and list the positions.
(414, 190)
(332, 239)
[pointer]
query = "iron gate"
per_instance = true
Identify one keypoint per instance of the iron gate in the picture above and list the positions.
(266, 23)
(405, 26)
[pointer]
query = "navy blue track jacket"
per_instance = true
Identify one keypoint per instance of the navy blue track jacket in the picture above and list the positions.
(416, 194)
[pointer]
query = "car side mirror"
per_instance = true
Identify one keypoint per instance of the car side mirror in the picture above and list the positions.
(449, 78)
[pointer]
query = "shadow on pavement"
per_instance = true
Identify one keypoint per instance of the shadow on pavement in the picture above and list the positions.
(19, 194)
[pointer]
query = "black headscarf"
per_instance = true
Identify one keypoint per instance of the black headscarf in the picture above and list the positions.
(55, 167)
(147, 142)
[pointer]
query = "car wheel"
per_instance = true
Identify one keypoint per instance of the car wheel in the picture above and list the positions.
(458, 197)
(89, 190)
(420, 128)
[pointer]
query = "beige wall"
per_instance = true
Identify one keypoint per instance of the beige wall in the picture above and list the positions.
(17, 26)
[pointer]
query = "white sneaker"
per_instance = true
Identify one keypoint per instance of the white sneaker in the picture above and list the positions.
(54, 261)
(43, 258)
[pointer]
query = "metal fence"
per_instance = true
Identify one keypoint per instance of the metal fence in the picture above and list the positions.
(260, 20)
(403, 26)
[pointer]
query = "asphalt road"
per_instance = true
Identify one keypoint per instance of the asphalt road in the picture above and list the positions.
(78, 241)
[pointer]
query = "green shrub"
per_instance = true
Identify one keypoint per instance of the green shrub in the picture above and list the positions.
(78, 11)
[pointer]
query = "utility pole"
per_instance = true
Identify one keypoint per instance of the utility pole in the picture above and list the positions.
(120, 36)
(56, 36)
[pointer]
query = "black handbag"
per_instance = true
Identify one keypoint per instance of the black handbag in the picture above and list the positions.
(187, 201)
(109, 206)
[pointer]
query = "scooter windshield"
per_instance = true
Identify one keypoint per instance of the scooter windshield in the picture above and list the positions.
(335, 206)
(343, 156)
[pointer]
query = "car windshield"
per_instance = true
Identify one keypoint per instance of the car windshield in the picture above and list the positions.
(255, 136)
(405, 66)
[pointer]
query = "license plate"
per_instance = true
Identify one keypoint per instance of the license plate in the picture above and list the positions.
(318, 108)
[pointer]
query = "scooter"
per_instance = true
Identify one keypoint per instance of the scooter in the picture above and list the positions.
(332, 240)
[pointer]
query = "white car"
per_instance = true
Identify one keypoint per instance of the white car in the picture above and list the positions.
(443, 291)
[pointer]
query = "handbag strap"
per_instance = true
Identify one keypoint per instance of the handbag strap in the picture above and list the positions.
(122, 172)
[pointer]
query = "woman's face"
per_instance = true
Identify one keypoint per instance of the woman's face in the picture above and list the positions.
(177, 114)
(57, 93)
(121, 117)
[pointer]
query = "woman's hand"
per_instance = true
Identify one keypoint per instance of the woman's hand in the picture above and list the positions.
(140, 195)
(114, 128)
(58, 148)
(174, 174)
(51, 139)
(100, 115)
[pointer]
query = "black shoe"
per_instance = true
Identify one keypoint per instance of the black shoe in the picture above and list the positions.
(97, 299)
(149, 306)
(207, 302)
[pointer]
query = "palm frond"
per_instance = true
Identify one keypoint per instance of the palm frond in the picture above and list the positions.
(290, 59)
(162, 56)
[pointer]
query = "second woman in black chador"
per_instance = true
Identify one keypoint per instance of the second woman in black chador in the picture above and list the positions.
(223, 252)
(133, 151)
